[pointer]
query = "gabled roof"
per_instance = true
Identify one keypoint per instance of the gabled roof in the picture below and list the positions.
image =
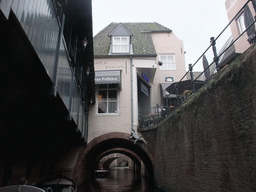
(141, 40)
(120, 30)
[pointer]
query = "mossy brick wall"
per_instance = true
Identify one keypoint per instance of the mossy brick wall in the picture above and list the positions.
(209, 143)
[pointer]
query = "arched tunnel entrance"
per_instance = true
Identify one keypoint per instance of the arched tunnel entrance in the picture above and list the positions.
(111, 152)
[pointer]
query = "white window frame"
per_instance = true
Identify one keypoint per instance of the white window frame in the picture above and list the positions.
(241, 24)
(167, 64)
(117, 102)
(119, 47)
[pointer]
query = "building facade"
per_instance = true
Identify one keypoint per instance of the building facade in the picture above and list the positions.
(46, 84)
(134, 63)
(242, 20)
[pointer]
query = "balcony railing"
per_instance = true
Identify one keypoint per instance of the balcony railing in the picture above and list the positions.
(218, 62)
(156, 115)
(184, 88)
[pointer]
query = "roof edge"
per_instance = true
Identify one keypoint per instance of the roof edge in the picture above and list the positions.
(120, 25)
(110, 56)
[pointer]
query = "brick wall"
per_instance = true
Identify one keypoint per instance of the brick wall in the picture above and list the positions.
(209, 144)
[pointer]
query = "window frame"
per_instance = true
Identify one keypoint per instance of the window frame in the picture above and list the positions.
(168, 63)
(117, 99)
(120, 44)
(240, 23)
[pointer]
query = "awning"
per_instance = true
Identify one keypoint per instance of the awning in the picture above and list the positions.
(229, 54)
(144, 89)
(108, 77)
(184, 85)
(165, 93)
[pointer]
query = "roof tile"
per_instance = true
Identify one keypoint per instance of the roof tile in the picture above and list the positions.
(141, 40)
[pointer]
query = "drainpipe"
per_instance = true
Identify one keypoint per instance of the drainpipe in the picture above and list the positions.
(132, 130)
(56, 60)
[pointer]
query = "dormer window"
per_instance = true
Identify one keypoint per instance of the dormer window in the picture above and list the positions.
(120, 40)
(120, 44)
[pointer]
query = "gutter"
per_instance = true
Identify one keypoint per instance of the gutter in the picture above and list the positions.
(132, 130)
(120, 56)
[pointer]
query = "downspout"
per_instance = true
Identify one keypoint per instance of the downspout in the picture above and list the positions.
(56, 59)
(132, 130)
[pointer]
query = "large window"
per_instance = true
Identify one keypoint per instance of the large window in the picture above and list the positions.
(108, 99)
(168, 62)
(120, 44)
(240, 23)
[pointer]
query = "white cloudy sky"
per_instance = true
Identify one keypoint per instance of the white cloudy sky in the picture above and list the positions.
(193, 21)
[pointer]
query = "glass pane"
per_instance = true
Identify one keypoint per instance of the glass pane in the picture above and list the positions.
(172, 66)
(102, 96)
(241, 24)
(163, 67)
(170, 58)
(125, 48)
(116, 41)
(75, 107)
(116, 48)
(102, 107)
(124, 41)
(111, 86)
(163, 58)
(112, 95)
(103, 86)
(112, 107)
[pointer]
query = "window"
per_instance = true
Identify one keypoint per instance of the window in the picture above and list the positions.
(120, 44)
(168, 62)
(107, 99)
(240, 23)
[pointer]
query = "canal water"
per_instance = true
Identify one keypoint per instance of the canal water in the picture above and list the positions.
(122, 180)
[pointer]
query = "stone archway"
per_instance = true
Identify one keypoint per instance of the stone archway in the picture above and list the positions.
(87, 157)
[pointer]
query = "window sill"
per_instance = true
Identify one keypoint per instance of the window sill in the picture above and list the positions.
(107, 114)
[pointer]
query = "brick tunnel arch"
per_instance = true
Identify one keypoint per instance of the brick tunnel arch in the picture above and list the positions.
(126, 152)
(107, 163)
(109, 143)
(123, 161)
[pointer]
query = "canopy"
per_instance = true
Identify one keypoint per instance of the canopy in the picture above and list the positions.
(108, 77)
(165, 93)
(184, 85)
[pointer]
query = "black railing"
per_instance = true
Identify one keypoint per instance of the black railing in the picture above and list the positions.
(216, 56)
(155, 115)
(190, 88)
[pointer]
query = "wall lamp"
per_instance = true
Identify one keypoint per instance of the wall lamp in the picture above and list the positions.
(160, 63)
(84, 43)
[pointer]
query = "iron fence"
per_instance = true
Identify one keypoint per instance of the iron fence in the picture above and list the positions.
(157, 116)
(216, 57)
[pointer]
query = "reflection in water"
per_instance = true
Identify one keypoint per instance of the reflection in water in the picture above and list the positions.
(121, 180)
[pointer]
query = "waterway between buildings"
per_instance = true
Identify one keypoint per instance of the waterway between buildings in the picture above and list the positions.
(121, 180)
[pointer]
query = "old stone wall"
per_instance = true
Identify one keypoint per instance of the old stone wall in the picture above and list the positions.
(209, 143)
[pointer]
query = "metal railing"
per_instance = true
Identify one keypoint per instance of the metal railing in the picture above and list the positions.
(162, 111)
(216, 55)
(151, 117)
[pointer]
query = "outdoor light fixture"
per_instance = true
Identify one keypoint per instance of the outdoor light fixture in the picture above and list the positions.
(88, 72)
(160, 63)
(84, 43)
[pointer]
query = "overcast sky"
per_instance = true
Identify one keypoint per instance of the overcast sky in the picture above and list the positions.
(193, 21)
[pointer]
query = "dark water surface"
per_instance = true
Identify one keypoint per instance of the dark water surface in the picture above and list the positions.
(122, 180)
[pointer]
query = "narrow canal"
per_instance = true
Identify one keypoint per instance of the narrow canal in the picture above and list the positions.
(122, 180)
